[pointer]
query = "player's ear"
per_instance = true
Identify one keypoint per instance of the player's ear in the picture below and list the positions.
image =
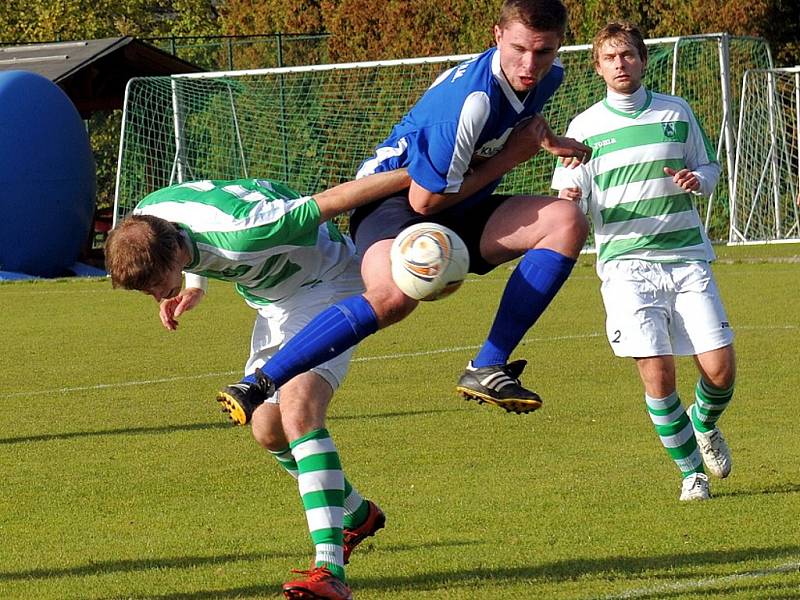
(498, 34)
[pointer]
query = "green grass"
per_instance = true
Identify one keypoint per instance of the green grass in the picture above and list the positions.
(119, 478)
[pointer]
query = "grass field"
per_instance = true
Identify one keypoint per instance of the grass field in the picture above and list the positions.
(121, 480)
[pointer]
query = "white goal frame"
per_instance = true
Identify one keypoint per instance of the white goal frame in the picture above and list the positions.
(766, 186)
(723, 129)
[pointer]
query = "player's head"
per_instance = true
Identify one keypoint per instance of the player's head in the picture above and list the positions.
(528, 35)
(620, 56)
(146, 253)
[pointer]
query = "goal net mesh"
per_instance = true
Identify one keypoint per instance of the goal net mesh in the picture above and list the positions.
(311, 127)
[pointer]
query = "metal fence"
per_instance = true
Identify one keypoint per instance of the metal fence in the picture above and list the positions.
(235, 52)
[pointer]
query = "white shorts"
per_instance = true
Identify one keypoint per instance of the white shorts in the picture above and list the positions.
(279, 322)
(659, 309)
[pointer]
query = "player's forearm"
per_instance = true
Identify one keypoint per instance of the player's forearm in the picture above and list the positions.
(353, 194)
(484, 173)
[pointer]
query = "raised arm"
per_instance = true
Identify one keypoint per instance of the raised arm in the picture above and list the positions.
(353, 194)
(524, 142)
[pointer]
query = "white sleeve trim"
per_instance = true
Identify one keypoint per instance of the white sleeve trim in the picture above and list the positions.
(192, 280)
(474, 114)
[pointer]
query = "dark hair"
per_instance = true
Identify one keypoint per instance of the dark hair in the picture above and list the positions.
(620, 31)
(141, 250)
(539, 15)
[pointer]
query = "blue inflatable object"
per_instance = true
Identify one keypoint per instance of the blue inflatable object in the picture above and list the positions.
(47, 177)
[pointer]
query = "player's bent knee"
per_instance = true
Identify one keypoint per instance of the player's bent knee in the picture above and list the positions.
(567, 229)
(577, 223)
(390, 304)
(269, 441)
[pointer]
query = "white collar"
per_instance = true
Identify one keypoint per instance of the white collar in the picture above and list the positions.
(629, 103)
(508, 91)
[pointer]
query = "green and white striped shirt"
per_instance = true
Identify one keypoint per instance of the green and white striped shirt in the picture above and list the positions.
(257, 233)
(637, 210)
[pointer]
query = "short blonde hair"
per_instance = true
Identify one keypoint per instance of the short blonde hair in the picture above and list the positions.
(619, 31)
(141, 250)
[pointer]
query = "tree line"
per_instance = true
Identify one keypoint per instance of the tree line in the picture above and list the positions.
(362, 30)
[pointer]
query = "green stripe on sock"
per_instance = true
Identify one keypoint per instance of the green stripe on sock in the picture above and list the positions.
(331, 535)
(705, 417)
(327, 461)
(323, 498)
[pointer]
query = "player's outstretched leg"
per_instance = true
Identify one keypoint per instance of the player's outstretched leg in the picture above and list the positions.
(331, 332)
(498, 385)
(241, 399)
(532, 286)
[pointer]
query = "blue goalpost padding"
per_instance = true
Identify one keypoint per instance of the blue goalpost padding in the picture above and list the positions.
(47, 177)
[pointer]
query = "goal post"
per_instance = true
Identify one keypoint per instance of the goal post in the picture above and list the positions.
(312, 126)
(766, 186)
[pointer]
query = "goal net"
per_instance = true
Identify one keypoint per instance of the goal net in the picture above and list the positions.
(766, 189)
(312, 126)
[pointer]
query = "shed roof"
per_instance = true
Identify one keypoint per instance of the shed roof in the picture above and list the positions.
(94, 73)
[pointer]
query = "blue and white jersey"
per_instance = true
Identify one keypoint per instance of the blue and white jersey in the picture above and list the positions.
(438, 141)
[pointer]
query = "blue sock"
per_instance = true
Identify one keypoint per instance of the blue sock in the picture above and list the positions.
(330, 333)
(530, 289)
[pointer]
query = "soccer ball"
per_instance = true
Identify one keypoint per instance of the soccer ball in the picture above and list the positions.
(429, 261)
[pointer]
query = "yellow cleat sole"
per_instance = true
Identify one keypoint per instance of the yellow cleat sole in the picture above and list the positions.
(232, 408)
(512, 405)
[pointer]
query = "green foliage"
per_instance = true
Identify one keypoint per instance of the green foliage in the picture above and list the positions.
(122, 480)
(399, 28)
(104, 130)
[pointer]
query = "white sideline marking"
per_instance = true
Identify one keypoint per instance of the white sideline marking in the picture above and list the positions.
(101, 386)
(704, 583)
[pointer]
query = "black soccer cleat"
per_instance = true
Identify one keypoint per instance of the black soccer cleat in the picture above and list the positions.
(499, 385)
(240, 400)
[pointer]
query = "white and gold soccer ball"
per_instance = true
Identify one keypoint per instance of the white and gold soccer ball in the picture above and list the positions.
(429, 261)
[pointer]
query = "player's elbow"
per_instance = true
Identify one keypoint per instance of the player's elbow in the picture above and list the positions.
(423, 201)
(423, 208)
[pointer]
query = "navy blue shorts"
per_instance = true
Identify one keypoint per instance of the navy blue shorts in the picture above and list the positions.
(384, 219)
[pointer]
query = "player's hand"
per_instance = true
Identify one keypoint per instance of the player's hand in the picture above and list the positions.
(526, 139)
(684, 179)
(571, 152)
(170, 309)
(572, 194)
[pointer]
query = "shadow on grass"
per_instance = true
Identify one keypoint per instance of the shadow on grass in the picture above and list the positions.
(50, 437)
(617, 568)
(755, 589)
(393, 415)
(781, 488)
(613, 567)
(166, 429)
(130, 565)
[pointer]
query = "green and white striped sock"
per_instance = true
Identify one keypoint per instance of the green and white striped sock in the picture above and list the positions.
(286, 460)
(710, 402)
(356, 508)
(675, 432)
(321, 484)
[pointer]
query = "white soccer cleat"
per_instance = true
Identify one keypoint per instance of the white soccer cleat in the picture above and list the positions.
(714, 449)
(695, 487)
